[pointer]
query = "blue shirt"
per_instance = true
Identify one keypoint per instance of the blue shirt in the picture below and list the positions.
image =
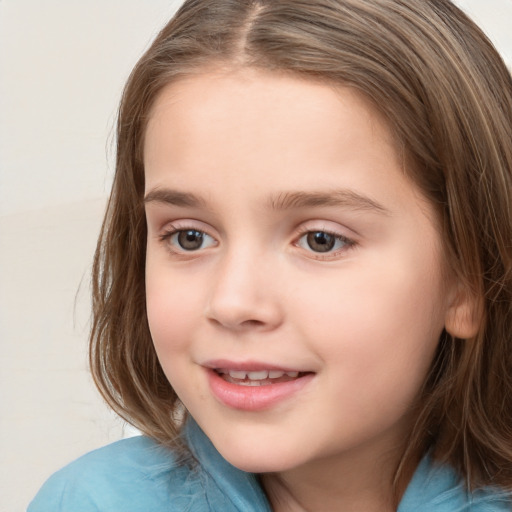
(138, 475)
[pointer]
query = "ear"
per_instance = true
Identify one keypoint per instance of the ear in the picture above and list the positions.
(464, 314)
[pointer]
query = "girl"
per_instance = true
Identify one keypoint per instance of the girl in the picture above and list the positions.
(302, 287)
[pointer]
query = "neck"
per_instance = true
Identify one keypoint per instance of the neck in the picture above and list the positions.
(353, 484)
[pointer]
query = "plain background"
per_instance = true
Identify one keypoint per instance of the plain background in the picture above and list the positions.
(62, 69)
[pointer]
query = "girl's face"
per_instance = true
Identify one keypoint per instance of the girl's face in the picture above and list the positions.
(295, 283)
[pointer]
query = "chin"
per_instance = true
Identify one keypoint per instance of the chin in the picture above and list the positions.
(254, 458)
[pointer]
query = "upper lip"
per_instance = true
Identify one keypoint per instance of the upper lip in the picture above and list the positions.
(249, 366)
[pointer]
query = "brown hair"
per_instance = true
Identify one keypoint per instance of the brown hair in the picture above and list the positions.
(448, 98)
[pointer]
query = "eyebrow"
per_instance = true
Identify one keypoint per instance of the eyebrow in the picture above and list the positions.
(283, 201)
(173, 197)
(338, 198)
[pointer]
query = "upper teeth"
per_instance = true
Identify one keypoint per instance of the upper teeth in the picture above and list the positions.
(259, 375)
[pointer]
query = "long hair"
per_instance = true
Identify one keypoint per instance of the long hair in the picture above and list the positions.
(447, 97)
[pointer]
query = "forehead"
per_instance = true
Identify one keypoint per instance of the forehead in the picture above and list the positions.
(251, 110)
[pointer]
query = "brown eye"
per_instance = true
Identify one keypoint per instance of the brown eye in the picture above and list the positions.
(187, 240)
(320, 241)
(190, 239)
(323, 242)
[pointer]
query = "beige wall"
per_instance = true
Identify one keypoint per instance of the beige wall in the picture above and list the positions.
(62, 67)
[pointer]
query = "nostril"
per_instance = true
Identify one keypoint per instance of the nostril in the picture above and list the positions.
(252, 323)
(247, 324)
(238, 309)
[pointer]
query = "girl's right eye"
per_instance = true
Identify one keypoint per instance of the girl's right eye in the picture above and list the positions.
(188, 240)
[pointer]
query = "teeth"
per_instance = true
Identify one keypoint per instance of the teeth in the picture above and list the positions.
(237, 374)
(257, 375)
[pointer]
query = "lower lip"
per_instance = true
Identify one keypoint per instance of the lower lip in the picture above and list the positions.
(254, 398)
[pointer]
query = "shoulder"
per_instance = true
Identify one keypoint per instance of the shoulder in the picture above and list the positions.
(131, 475)
(139, 475)
(437, 488)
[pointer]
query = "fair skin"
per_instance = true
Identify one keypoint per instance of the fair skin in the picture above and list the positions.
(284, 236)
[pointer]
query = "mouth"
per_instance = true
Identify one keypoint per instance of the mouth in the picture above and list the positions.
(255, 386)
(258, 377)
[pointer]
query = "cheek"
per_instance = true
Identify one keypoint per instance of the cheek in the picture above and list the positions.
(380, 321)
(171, 309)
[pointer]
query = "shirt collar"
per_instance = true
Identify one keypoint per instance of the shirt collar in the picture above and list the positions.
(433, 487)
(239, 487)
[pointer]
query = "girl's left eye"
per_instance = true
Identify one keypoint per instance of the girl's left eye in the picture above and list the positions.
(189, 240)
(323, 242)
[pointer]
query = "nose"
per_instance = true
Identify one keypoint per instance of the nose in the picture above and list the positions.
(245, 293)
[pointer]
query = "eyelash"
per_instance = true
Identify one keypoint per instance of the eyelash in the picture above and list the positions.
(167, 235)
(348, 243)
(319, 255)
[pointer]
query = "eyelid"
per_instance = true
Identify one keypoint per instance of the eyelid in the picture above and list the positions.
(184, 224)
(172, 228)
(331, 227)
(326, 227)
